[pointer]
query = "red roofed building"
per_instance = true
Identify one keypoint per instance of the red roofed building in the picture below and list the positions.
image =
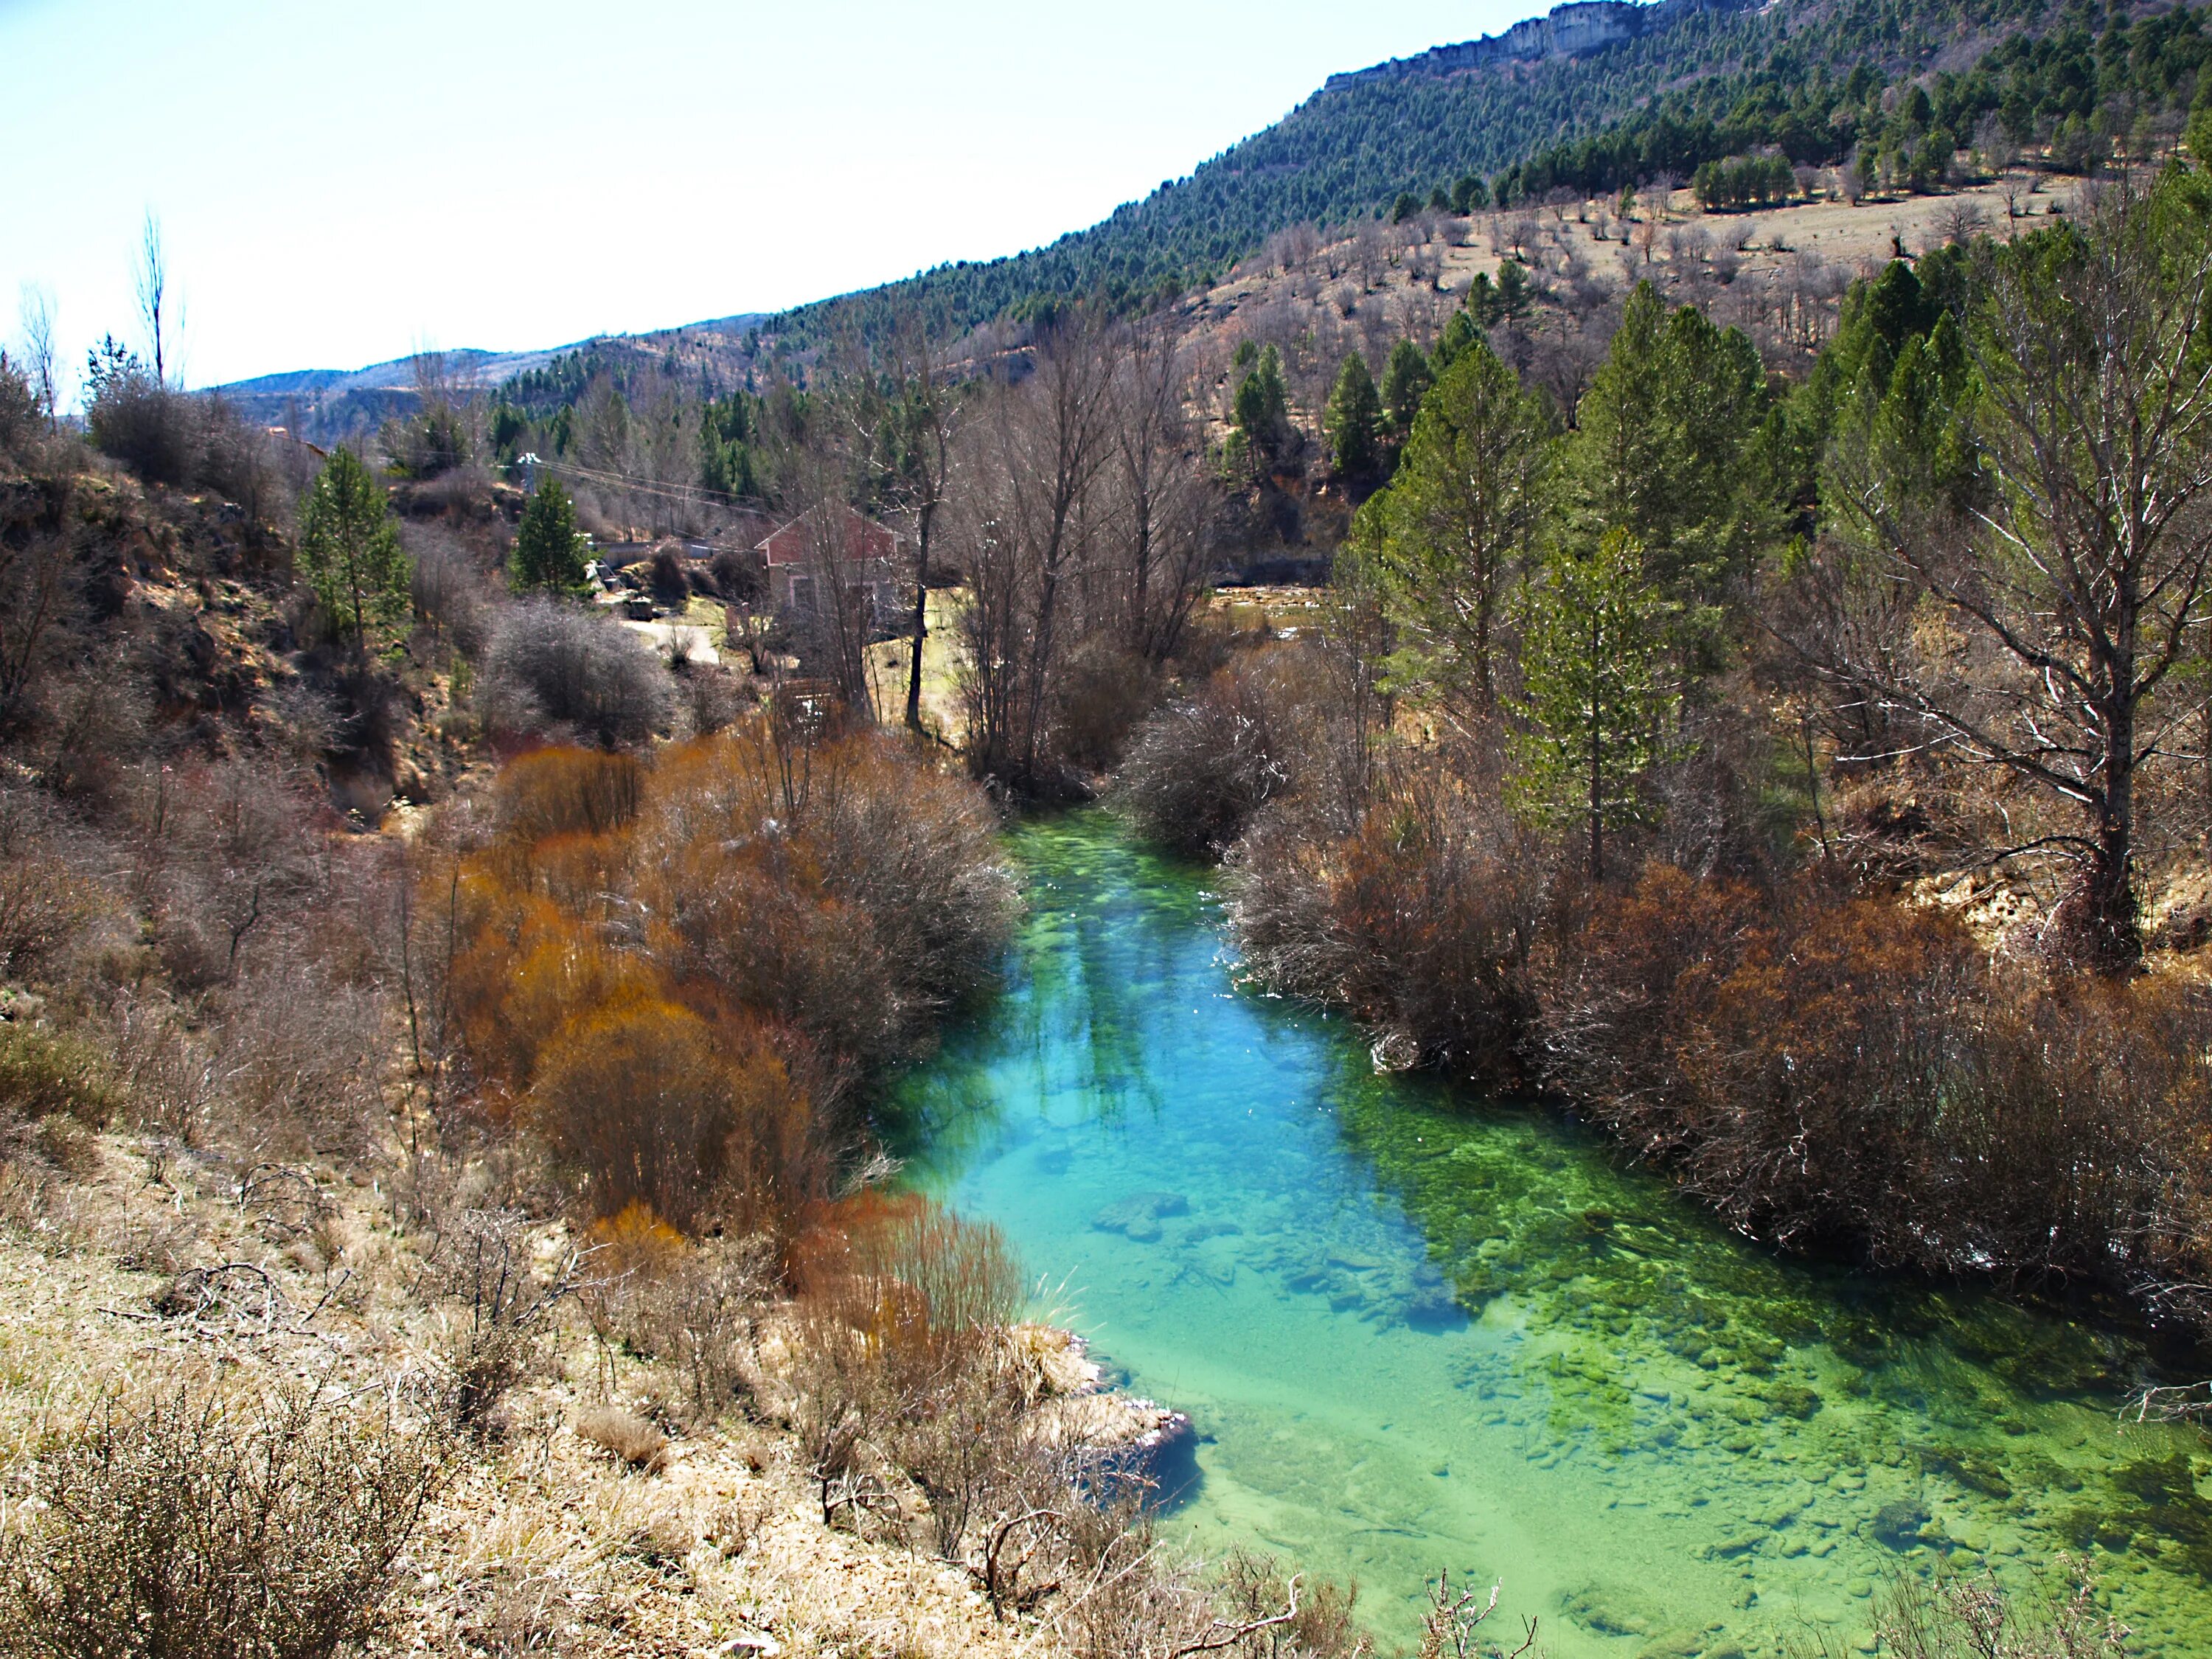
(800, 557)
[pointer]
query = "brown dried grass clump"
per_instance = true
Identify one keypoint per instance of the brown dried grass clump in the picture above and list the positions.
(625, 1435)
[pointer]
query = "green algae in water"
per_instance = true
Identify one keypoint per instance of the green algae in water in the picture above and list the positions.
(1418, 1331)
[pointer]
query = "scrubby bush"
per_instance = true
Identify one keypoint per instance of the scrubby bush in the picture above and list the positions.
(568, 792)
(499, 1311)
(1421, 921)
(643, 1102)
(902, 1343)
(671, 972)
(450, 590)
(1958, 1617)
(845, 887)
(1200, 767)
(184, 440)
(21, 414)
(1103, 692)
(690, 1305)
(667, 576)
(133, 417)
(45, 1074)
(1842, 1068)
(200, 1525)
(551, 666)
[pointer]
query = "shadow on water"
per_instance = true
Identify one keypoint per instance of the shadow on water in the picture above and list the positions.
(1417, 1330)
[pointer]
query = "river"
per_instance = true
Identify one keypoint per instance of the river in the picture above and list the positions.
(1417, 1330)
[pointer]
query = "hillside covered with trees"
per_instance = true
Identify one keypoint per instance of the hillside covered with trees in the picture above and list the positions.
(1824, 83)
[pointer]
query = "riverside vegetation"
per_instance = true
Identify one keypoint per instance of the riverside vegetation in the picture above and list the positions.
(447, 1044)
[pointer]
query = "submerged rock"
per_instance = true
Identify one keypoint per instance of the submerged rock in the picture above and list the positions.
(1897, 1525)
(1138, 1215)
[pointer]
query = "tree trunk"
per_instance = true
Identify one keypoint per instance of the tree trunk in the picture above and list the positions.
(920, 617)
(2113, 941)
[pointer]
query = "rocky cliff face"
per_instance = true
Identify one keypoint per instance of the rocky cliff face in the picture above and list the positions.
(1568, 31)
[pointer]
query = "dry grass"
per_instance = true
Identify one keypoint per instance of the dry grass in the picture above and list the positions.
(626, 1435)
(580, 1521)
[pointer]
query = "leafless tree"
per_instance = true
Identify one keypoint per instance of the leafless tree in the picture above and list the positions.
(1960, 220)
(1028, 512)
(925, 412)
(1162, 498)
(37, 318)
(152, 283)
(2077, 586)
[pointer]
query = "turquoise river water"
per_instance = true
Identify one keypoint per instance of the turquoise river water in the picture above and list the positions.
(1418, 1330)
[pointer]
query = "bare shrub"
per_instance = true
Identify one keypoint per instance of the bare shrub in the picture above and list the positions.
(1845, 1067)
(1103, 689)
(204, 1526)
(144, 424)
(1421, 921)
(667, 577)
(303, 1052)
(550, 665)
(1200, 767)
(505, 1312)
(49, 899)
(1959, 1617)
(846, 886)
(901, 1315)
(691, 1306)
(451, 590)
(41, 589)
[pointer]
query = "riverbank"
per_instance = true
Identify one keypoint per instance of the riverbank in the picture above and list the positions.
(595, 1507)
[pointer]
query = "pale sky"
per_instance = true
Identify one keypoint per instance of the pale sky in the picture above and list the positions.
(339, 184)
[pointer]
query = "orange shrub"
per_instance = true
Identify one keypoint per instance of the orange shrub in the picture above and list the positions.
(679, 967)
(555, 792)
(524, 969)
(927, 1290)
(644, 1102)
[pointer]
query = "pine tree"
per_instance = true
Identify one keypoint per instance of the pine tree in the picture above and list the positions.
(1458, 523)
(549, 554)
(1353, 421)
(1462, 332)
(1600, 701)
(1261, 413)
(1405, 381)
(349, 551)
(1665, 450)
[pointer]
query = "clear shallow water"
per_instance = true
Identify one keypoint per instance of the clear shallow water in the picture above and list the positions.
(1416, 1331)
